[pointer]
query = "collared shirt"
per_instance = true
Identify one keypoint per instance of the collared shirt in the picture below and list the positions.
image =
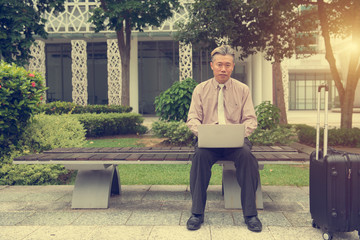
(238, 105)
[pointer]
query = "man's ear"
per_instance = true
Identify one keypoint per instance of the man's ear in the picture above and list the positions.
(211, 65)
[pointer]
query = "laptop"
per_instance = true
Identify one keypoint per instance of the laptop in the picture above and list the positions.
(221, 136)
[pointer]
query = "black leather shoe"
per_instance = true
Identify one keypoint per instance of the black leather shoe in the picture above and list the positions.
(253, 223)
(195, 221)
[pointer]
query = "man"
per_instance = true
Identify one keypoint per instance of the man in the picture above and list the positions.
(238, 109)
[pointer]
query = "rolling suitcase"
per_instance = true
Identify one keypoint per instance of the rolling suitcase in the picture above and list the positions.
(334, 185)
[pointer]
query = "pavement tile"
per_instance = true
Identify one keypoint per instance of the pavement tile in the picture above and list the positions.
(103, 218)
(3, 186)
(51, 218)
(299, 219)
(156, 218)
(61, 232)
(219, 219)
(16, 233)
(286, 194)
(12, 218)
(307, 233)
(283, 206)
(179, 233)
(176, 205)
(46, 206)
(239, 233)
(121, 232)
(137, 205)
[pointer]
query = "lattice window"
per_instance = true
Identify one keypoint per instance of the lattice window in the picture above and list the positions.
(76, 15)
(185, 60)
(114, 72)
(37, 62)
(79, 72)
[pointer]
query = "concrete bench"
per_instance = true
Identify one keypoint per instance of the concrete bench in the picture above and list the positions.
(98, 177)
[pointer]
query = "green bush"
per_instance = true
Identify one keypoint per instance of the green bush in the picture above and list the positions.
(31, 174)
(174, 103)
(336, 136)
(177, 133)
(43, 133)
(20, 94)
(69, 107)
(108, 124)
(280, 135)
(47, 132)
(268, 115)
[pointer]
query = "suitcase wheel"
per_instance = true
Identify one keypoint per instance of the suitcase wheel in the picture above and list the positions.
(327, 236)
(314, 225)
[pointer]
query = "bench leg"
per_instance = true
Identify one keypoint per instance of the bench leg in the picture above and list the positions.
(232, 190)
(93, 187)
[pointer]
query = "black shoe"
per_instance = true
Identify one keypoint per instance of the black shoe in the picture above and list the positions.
(253, 223)
(195, 221)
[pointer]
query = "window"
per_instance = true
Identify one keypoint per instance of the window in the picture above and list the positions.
(58, 72)
(303, 89)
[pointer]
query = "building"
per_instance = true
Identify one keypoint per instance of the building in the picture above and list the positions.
(82, 66)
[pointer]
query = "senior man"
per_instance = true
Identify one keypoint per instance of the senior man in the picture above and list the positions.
(237, 108)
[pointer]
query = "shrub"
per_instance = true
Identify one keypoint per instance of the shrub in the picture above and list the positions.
(174, 103)
(108, 124)
(69, 107)
(280, 135)
(268, 115)
(20, 94)
(336, 136)
(177, 133)
(43, 133)
(46, 132)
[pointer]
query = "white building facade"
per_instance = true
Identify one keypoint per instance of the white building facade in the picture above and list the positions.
(84, 67)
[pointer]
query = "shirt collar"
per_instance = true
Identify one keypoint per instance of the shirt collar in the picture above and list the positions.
(227, 83)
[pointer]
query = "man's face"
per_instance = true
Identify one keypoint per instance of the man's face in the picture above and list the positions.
(222, 66)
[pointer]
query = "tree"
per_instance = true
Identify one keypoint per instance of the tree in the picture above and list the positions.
(250, 26)
(123, 16)
(20, 20)
(341, 18)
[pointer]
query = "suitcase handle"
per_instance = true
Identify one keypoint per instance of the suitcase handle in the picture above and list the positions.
(326, 87)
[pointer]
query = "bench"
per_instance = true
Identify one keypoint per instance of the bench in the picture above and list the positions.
(98, 177)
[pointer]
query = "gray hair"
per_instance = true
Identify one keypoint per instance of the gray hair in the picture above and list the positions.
(223, 50)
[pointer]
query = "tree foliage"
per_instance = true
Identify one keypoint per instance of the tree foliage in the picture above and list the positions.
(20, 20)
(280, 29)
(127, 15)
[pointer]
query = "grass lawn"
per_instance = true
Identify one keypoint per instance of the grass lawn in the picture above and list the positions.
(178, 174)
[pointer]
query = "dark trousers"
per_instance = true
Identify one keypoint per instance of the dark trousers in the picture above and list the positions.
(247, 174)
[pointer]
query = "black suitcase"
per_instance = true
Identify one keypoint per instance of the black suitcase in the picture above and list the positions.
(334, 186)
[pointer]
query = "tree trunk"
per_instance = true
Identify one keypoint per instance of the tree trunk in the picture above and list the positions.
(124, 43)
(279, 91)
(347, 95)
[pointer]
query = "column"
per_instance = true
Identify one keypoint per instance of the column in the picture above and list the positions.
(79, 72)
(114, 72)
(134, 75)
(256, 70)
(267, 81)
(185, 61)
(37, 62)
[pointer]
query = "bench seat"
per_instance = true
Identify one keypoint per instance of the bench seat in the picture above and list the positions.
(98, 177)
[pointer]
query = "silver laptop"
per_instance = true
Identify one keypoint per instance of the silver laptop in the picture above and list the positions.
(221, 136)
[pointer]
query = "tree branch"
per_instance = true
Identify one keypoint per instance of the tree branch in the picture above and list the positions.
(329, 55)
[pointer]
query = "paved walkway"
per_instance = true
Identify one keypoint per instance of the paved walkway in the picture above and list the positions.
(151, 212)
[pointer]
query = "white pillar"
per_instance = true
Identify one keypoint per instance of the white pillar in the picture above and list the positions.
(79, 72)
(134, 75)
(256, 78)
(267, 81)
